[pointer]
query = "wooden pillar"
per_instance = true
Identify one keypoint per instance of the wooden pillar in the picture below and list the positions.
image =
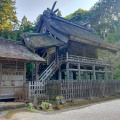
(36, 71)
(67, 70)
(66, 56)
(112, 78)
(79, 77)
(48, 56)
(106, 73)
(24, 77)
(94, 74)
(57, 56)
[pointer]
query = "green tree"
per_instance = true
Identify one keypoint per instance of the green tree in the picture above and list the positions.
(8, 19)
(26, 25)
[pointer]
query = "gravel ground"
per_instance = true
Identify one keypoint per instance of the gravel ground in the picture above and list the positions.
(102, 111)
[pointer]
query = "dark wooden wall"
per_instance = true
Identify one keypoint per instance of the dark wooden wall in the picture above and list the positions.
(80, 49)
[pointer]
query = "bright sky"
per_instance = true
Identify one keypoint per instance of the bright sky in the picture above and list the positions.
(32, 8)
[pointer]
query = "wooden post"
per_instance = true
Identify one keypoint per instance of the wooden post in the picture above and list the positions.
(67, 70)
(57, 56)
(106, 74)
(48, 56)
(24, 78)
(36, 71)
(112, 78)
(71, 75)
(79, 77)
(94, 74)
(66, 56)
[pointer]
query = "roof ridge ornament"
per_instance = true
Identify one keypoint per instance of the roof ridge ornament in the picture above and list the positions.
(51, 11)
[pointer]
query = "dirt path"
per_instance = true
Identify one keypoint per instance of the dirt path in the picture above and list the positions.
(103, 111)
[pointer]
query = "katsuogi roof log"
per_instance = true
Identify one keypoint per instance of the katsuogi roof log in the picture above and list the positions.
(13, 50)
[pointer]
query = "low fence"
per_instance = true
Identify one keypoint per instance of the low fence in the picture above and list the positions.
(72, 90)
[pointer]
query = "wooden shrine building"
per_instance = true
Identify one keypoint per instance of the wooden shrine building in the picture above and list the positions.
(69, 48)
(13, 58)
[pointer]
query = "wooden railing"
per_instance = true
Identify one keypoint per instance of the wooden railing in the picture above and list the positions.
(47, 72)
(87, 60)
(51, 69)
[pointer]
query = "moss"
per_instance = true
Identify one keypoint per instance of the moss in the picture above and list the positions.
(87, 102)
(12, 112)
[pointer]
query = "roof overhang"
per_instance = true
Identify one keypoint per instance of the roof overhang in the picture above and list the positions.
(105, 46)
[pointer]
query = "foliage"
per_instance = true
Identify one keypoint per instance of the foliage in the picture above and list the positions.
(46, 105)
(29, 71)
(30, 106)
(77, 16)
(8, 19)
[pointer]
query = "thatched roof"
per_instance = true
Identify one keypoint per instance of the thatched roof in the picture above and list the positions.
(64, 29)
(12, 50)
(36, 40)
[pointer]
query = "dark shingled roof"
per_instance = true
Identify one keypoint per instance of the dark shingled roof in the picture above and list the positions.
(13, 50)
(36, 40)
(64, 29)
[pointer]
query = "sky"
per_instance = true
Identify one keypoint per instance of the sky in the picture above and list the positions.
(33, 8)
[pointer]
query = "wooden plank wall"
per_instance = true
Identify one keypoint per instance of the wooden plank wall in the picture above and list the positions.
(80, 49)
(11, 77)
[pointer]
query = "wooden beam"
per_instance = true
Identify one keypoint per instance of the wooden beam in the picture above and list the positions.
(36, 71)
(67, 70)
(24, 77)
(106, 73)
(112, 78)
(79, 77)
(57, 55)
(94, 74)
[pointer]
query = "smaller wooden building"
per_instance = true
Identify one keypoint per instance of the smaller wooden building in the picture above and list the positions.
(13, 58)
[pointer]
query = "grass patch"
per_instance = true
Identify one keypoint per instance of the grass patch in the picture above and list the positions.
(12, 112)
(87, 102)
(66, 105)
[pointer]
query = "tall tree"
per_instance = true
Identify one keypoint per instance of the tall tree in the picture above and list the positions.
(8, 19)
(26, 26)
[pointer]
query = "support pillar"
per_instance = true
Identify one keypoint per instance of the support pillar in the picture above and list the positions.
(106, 73)
(36, 71)
(24, 77)
(57, 56)
(67, 70)
(79, 77)
(112, 78)
(94, 74)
